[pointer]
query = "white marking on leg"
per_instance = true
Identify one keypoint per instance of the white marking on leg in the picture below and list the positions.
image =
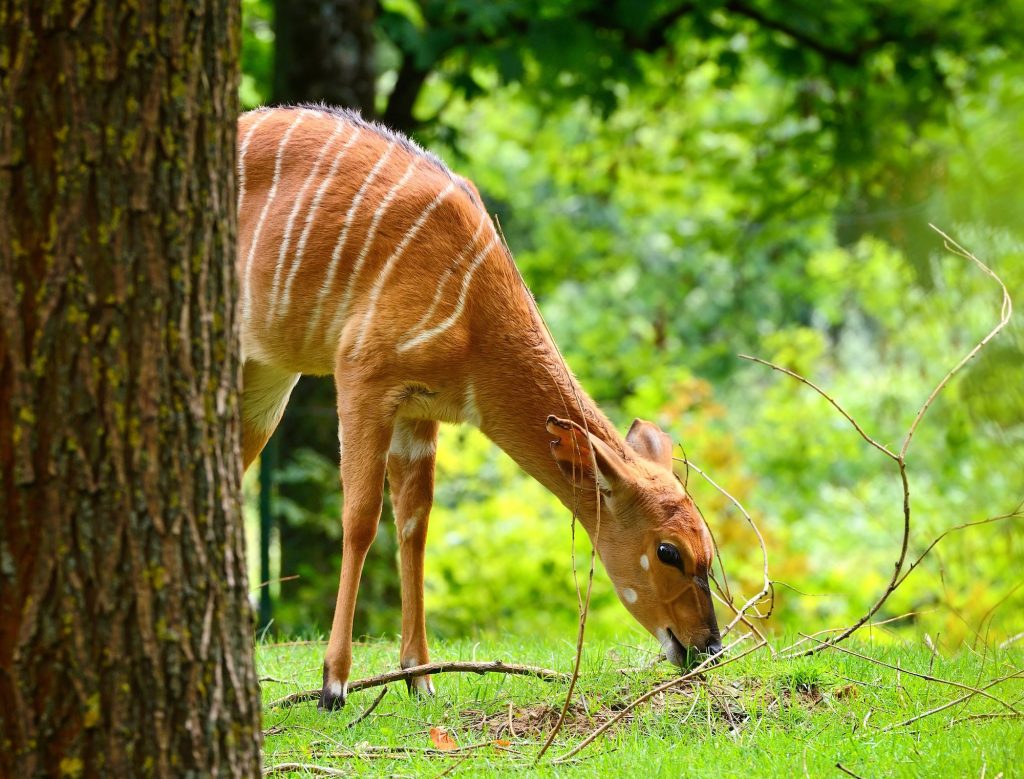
(243, 149)
(629, 595)
(409, 527)
(424, 685)
(339, 246)
(443, 281)
(644, 562)
(278, 161)
(454, 317)
(405, 444)
(314, 206)
(385, 271)
(286, 238)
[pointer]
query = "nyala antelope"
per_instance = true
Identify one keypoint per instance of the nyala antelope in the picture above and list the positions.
(363, 257)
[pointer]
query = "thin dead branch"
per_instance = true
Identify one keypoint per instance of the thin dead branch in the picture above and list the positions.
(900, 459)
(1016, 513)
(766, 587)
(926, 677)
(283, 768)
(1006, 312)
(497, 666)
(1011, 640)
(369, 709)
(950, 704)
(660, 688)
(847, 771)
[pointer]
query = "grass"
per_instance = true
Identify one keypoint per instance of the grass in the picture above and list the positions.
(754, 717)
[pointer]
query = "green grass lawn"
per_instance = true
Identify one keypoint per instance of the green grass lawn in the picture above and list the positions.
(755, 717)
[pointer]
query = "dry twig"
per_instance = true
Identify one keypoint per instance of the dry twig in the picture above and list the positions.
(926, 677)
(283, 768)
(900, 458)
(766, 586)
(660, 688)
(950, 704)
(369, 709)
(430, 668)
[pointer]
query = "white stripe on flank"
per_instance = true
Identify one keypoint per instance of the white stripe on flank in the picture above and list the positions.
(453, 318)
(301, 247)
(390, 263)
(448, 273)
(278, 159)
(332, 269)
(242, 152)
(341, 314)
(286, 238)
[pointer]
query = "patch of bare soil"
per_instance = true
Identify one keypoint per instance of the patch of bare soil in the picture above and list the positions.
(535, 721)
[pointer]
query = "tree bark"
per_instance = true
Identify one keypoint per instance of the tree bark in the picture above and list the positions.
(125, 629)
(325, 51)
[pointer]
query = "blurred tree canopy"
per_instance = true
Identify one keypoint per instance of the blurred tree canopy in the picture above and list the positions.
(681, 182)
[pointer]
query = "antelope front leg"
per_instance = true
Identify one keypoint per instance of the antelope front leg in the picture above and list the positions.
(367, 433)
(411, 476)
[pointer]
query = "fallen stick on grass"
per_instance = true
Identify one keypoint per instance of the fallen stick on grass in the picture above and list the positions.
(430, 668)
(282, 768)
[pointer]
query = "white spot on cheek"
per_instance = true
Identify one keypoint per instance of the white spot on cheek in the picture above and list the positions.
(629, 595)
(644, 562)
(340, 690)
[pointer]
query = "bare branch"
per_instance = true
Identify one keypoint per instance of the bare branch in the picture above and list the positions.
(926, 677)
(1007, 312)
(766, 586)
(898, 577)
(1009, 515)
(312, 768)
(835, 404)
(430, 668)
(660, 688)
(950, 704)
(369, 709)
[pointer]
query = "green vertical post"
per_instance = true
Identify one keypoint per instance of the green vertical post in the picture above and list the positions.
(268, 464)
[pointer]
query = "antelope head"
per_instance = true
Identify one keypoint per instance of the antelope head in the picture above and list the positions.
(652, 540)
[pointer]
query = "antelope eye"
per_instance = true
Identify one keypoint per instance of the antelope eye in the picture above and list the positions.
(669, 555)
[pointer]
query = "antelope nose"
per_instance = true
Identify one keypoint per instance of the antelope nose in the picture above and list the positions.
(714, 646)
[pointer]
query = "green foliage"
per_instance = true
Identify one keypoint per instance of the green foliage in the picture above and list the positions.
(257, 52)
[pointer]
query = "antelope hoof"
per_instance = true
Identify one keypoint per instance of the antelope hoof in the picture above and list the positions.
(332, 694)
(418, 685)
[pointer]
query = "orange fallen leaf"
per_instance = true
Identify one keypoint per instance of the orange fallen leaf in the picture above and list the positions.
(500, 742)
(442, 740)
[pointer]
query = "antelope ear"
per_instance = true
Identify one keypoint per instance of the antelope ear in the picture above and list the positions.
(576, 453)
(650, 442)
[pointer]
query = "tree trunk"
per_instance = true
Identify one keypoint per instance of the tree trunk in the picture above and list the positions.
(125, 629)
(324, 51)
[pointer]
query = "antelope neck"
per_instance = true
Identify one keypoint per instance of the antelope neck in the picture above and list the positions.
(528, 382)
